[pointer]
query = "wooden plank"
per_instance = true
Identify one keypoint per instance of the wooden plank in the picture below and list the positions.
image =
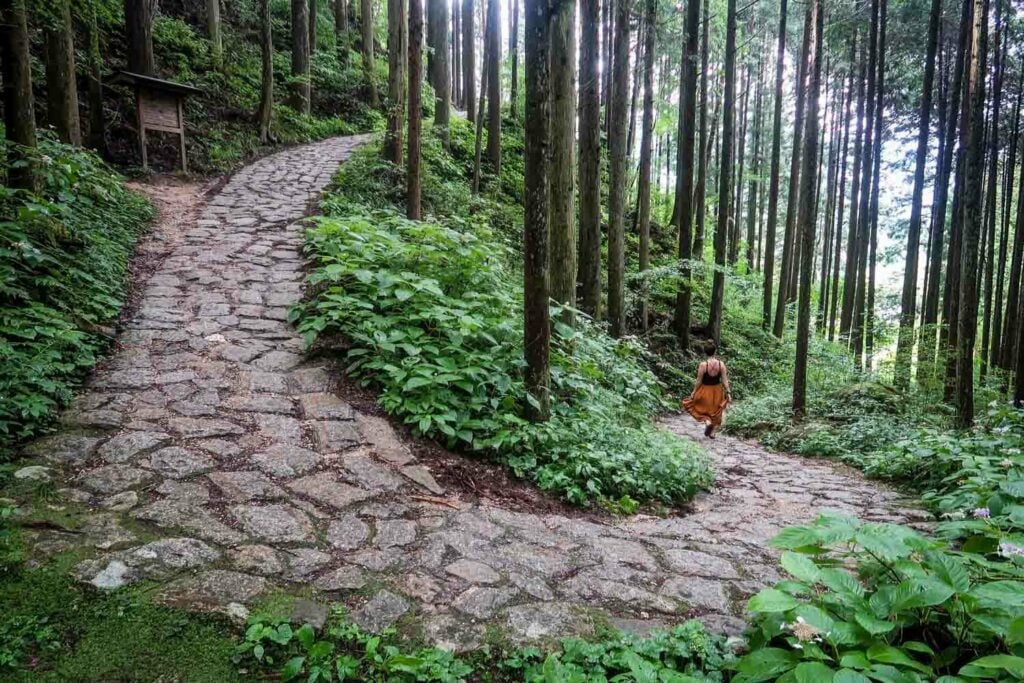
(160, 110)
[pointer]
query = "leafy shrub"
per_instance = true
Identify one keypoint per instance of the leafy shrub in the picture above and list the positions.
(344, 653)
(433, 319)
(684, 654)
(64, 255)
(914, 610)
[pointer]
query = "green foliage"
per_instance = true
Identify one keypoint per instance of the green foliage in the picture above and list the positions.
(685, 654)
(344, 653)
(432, 318)
(64, 254)
(913, 610)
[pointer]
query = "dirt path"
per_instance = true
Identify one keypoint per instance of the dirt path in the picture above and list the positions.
(210, 456)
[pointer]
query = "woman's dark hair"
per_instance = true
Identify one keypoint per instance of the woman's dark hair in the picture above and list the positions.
(710, 347)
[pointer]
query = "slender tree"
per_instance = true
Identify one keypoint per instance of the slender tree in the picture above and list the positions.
(684, 166)
(61, 85)
(313, 12)
(700, 189)
(301, 92)
(397, 56)
(992, 178)
(213, 31)
(513, 53)
(646, 145)
(617, 173)
(588, 276)
(19, 109)
(807, 206)
(773, 172)
(493, 66)
(341, 30)
(755, 175)
(973, 145)
(908, 305)
(264, 115)
(536, 285)
(366, 28)
(97, 120)
(412, 174)
(724, 174)
(138, 20)
(853, 243)
(995, 352)
(469, 60)
(438, 28)
(563, 141)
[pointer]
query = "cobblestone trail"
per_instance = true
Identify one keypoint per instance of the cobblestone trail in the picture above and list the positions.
(214, 459)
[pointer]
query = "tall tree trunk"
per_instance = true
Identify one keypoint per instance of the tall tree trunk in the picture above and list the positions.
(741, 143)
(617, 173)
(789, 238)
(947, 155)
(413, 180)
(312, 25)
(536, 285)
(635, 90)
(469, 60)
(755, 177)
(19, 110)
(478, 143)
(493, 66)
(700, 189)
(264, 115)
(513, 52)
(61, 86)
(213, 31)
(563, 142)
(908, 312)
(300, 57)
(876, 155)
(366, 28)
(995, 352)
(773, 173)
(832, 187)
(588, 277)
(724, 174)
(834, 299)
(456, 57)
(438, 18)
(684, 169)
(993, 183)
(341, 30)
(1011, 321)
(138, 20)
(812, 68)
(646, 135)
(397, 55)
(852, 243)
(97, 119)
(967, 320)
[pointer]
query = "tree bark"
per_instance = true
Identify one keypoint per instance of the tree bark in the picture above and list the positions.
(724, 174)
(995, 351)
(852, 243)
(341, 30)
(755, 177)
(807, 207)
(213, 31)
(19, 110)
(469, 60)
(967, 320)
(617, 173)
(646, 142)
(989, 219)
(438, 18)
(789, 237)
(366, 28)
(493, 66)
(834, 299)
(412, 174)
(265, 113)
(536, 285)
(301, 93)
(563, 141)
(700, 190)
(397, 55)
(513, 52)
(1011, 322)
(684, 169)
(773, 173)
(138, 20)
(97, 117)
(589, 269)
(61, 85)
(908, 304)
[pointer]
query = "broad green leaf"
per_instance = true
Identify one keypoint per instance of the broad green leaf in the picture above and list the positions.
(292, 668)
(766, 664)
(1003, 594)
(794, 537)
(849, 676)
(812, 672)
(872, 624)
(800, 566)
(772, 600)
(887, 654)
(1008, 663)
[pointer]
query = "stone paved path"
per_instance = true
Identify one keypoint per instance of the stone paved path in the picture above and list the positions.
(216, 461)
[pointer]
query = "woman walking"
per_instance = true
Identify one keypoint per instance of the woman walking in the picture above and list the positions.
(710, 395)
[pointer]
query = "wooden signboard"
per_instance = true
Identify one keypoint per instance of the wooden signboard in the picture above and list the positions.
(160, 106)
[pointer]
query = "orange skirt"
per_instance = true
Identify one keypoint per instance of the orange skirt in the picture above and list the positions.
(707, 404)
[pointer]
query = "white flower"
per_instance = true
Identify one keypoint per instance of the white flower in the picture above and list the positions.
(1007, 549)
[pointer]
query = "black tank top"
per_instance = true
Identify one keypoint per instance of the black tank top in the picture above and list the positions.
(712, 380)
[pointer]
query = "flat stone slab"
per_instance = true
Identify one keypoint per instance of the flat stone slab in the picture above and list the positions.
(109, 479)
(274, 523)
(246, 485)
(324, 488)
(347, 533)
(422, 476)
(126, 446)
(332, 436)
(285, 460)
(474, 572)
(63, 448)
(481, 602)
(179, 463)
(325, 406)
(370, 474)
(381, 611)
(341, 579)
(200, 428)
(214, 589)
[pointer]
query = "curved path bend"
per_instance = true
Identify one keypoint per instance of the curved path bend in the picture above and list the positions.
(208, 457)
